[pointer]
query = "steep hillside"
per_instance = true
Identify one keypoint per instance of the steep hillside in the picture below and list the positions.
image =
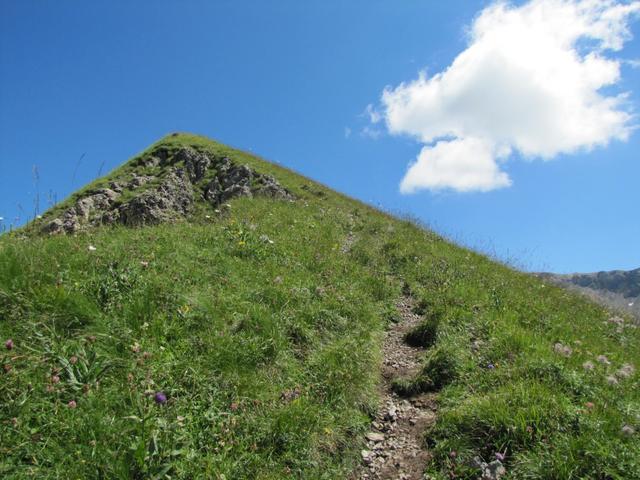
(189, 317)
(617, 289)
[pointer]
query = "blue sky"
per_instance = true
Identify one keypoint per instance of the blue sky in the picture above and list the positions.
(291, 81)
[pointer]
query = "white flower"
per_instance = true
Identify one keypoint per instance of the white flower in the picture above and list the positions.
(266, 239)
(626, 371)
(91, 248)
(588, 365)
(561, 349)
(628, 430)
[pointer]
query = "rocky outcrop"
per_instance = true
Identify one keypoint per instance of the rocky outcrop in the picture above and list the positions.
(73, 218)
(617, 289)
(172, 199)
(186, 177)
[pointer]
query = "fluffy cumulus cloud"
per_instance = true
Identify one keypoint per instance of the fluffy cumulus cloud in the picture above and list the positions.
(531, 80)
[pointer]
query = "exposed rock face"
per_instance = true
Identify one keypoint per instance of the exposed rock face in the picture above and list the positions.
(173, 198)
(617, 289)
(184, 173)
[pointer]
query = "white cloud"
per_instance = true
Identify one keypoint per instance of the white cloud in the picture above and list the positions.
(371, 132)
(347, 132)
(530, 81)
(374, 115)
(464, 164)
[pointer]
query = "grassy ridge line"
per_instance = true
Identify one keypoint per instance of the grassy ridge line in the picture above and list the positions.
(268, 352)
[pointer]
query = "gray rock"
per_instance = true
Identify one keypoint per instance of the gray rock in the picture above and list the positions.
(494, 471)
(375, 437)
(174, 197)
(196, 163)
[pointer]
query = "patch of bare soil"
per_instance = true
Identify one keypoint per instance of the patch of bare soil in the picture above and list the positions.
(395, 445)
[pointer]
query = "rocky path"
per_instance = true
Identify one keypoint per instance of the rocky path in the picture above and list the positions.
(395, 445)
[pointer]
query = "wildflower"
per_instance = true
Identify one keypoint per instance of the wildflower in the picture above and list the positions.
(14, 422)
(9, 344)
(146, 355)
(563, 350)
(628, 430)
(144, 263)
(626, 371)
(588, 365)
(135, 348)
(277, 280)
(50, 389)
(611, 380)
(91, 248)
(603, 359)
(453, 454)
(266, 239)
(55, 379)
(616, 321)
(73, 360)
(491, 366)
(130, 377)
(72, 404)
(160, 398)
(233, 406)
(590, 405)
(500, 456)
(6, 367)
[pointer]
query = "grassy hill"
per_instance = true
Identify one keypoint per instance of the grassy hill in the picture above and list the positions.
(241, 339)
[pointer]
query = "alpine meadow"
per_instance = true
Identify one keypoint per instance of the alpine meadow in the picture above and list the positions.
(201, 313)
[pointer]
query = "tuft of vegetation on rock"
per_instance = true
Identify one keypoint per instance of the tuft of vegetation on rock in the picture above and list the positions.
(239, 337)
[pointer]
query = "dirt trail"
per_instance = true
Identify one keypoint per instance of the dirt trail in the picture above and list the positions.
(395, 445)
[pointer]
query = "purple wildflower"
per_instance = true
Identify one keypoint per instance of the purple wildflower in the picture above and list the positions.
(500, 456)
(160, 398)
(8, 344)
(491, 366)
(72, 404)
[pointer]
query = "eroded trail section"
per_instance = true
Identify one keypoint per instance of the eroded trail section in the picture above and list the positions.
(395, 445)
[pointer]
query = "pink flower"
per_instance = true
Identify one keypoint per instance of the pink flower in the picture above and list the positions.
(72, 404)
(73, 360)
(8, 344)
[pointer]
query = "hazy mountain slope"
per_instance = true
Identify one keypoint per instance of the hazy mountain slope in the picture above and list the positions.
(241, 338)
(617, 289)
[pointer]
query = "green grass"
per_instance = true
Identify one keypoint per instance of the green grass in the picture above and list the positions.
(269, 353)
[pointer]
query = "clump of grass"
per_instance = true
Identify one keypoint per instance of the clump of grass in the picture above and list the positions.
(425, 333)
(441, 366)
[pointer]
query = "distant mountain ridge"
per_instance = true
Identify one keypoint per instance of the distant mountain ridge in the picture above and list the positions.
(617, 288)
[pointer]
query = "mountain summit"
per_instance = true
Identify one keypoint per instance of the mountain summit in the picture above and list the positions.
(162, 184)
(202, 313)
